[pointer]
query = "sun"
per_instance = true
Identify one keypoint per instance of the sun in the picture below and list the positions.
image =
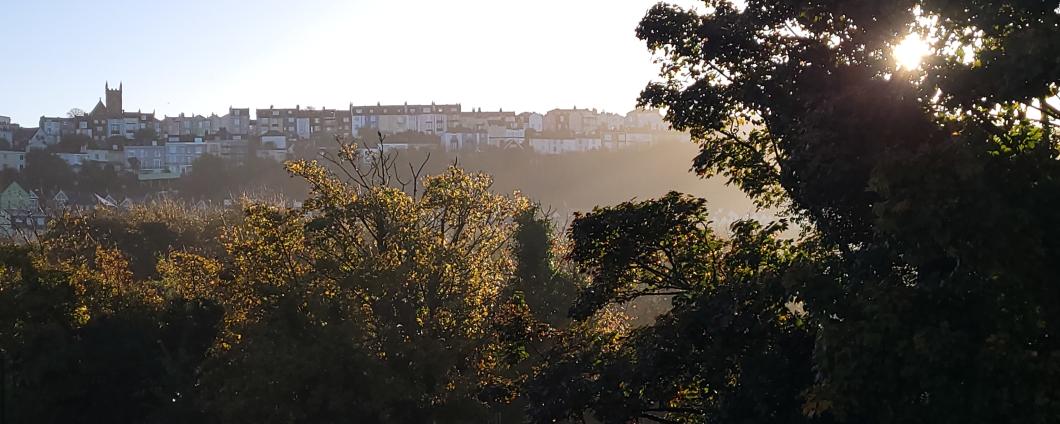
(910, 52)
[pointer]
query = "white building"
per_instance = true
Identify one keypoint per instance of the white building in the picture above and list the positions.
(573, 121)
(73, 159)
(532, 121)
(274, 140)
(29, 139)
(148, 158)
(181, 125)
(236, 122)
(646, 119)
(394, 119)
(463, 139)
(611, 121)
(11, 159)
(557, 145)
(181, 153)
(52, 129)
(98, 156)
(274, 146)
(506, 138)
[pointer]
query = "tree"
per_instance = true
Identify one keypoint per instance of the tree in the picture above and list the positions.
(548, 289)
(8, 176)
(93, 177)
(75, 113)
(732, 348)
(85, 343)
(210, 179)
(919, 187)
(381, 297)
(142, 235)
(47, 172)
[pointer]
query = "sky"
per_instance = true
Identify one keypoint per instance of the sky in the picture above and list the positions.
(202, 56)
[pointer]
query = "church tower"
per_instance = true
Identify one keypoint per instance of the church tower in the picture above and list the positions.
(114, 99)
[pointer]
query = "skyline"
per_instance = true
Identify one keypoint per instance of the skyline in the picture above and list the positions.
(325, 54)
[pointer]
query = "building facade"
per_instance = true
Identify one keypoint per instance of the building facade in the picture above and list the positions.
(395, 119)
(108, 120)
(146, 158)
(12, 159)
(304, 123)
(181, 152)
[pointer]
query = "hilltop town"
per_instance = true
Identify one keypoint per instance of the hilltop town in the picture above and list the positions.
(120, 157)
(166, 148)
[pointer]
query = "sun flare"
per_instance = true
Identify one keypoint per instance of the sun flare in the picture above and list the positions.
(910, 52)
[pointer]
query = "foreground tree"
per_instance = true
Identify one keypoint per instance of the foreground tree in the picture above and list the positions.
(929, 193)
(84, 342)
(734, 347)
(382, 300)
(379, 298)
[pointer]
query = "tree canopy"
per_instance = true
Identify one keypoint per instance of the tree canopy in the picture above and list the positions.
(381, 300)
(928, 207)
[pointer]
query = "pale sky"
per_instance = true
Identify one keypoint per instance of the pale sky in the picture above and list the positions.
(201, 56)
